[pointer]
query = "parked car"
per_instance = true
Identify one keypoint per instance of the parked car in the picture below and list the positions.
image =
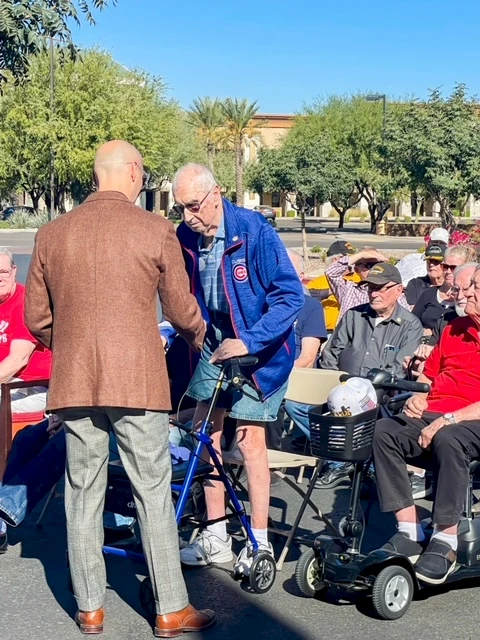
(267, 212)
(9, 211)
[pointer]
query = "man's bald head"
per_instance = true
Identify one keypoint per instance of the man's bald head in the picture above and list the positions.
(297, 261)
(119, 167)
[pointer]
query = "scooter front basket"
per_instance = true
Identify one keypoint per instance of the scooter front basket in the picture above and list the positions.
(345, 438)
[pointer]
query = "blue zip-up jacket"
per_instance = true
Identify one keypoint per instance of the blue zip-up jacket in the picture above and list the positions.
(264, 292)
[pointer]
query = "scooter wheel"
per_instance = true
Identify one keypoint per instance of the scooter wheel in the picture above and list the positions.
(392, 592)
(306, 574)
(146, 596)
(262, 573)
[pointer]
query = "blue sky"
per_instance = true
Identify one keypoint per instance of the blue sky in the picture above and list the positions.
(286, 54)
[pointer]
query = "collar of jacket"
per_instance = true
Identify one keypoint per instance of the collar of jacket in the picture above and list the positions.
(107, 195)
(396, 316)
(233, 230)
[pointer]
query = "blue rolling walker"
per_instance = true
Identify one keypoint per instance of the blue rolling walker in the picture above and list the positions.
(261, 575)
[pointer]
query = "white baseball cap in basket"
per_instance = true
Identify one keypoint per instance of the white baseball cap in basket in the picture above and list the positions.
(352, 397)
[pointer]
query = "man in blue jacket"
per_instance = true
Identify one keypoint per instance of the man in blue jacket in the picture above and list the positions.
(250, 296)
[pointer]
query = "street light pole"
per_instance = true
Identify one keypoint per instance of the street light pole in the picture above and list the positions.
(51, 215)
(376, 97)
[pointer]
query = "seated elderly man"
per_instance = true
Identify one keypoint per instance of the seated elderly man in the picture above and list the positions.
(320, 289)
(21, 355)
(378, 334)
(348, 293)
(462, 279)
(443, 428)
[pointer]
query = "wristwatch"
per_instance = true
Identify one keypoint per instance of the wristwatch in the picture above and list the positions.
(450, 418)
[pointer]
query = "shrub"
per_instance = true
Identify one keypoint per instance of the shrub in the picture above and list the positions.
(24, 220)
(393, 260)
(291, 213)
(4, 224)
(333, 214)
(317, 249)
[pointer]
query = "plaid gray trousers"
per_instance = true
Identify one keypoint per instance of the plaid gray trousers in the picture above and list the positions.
(142, 438)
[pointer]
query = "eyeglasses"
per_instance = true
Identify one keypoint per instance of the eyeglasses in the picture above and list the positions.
(193, 206)
(464, 290)
(451, 267)
(4, 274)
(366, 265)
(378, 288)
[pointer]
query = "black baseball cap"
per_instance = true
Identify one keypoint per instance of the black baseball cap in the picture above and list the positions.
(435, 251)
(383, 273)
(340, 247)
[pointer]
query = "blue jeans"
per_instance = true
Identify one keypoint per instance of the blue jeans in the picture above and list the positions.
(35, 464)
(298, 412)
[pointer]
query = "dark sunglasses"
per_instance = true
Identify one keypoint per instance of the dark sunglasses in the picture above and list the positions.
(193, 207)
(451, 267)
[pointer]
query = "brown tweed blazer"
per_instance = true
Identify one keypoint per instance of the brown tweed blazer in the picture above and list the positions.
(91, 297)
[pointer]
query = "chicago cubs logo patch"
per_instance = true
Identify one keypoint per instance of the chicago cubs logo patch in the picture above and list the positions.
(240, 273)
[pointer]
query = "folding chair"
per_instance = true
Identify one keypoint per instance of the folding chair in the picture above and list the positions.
(308, 386)
(10, 423)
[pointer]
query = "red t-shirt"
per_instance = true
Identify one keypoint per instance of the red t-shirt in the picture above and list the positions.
(454, 367)
(12, 327)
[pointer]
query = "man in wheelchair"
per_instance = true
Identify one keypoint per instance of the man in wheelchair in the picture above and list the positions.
(440, 429)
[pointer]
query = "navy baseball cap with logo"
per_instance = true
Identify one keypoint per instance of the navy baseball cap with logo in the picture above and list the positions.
(435, 251)
(383, 273)
(340, 248)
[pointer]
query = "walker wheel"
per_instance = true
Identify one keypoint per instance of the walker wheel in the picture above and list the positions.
(307, 574)
(262, 573)
(146, 596)
(392, 592)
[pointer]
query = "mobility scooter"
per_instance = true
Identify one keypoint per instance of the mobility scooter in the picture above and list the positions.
(338, 562)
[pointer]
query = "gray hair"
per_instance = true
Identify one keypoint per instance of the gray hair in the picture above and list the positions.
(465, 251)
(463, 267)
(297, 260)
(202, 176)
(5, 252)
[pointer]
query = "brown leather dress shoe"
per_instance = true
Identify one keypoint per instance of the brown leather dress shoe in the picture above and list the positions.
(174, 624)
(90, 622)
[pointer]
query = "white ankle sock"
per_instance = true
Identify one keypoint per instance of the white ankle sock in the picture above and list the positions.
(261, 536)
(3, 527)
(446, 537)
(219, 529)
(413, 530)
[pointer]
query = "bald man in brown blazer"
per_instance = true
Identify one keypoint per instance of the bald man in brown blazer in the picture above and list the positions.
(91, 297)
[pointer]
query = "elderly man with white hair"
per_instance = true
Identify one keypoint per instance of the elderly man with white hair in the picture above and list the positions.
(250, 297)
(441, 429)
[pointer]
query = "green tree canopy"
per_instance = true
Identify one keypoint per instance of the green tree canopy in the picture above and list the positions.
(96, 100)
(26, 25)
(437, 144)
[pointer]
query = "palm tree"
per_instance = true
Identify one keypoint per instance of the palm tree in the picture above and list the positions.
(237, 128)
(207, 117)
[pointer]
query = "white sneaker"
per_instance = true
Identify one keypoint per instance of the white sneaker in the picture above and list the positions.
(245, 557)
(206, 549)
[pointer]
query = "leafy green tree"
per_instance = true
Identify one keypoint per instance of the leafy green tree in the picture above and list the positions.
(237, 130)
(301, 168)
(96, 100)
(356, 128)
(437, 144)
(206, 116)
(26, 25)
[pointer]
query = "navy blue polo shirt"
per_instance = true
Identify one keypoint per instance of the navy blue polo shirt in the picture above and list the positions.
(310, 323)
